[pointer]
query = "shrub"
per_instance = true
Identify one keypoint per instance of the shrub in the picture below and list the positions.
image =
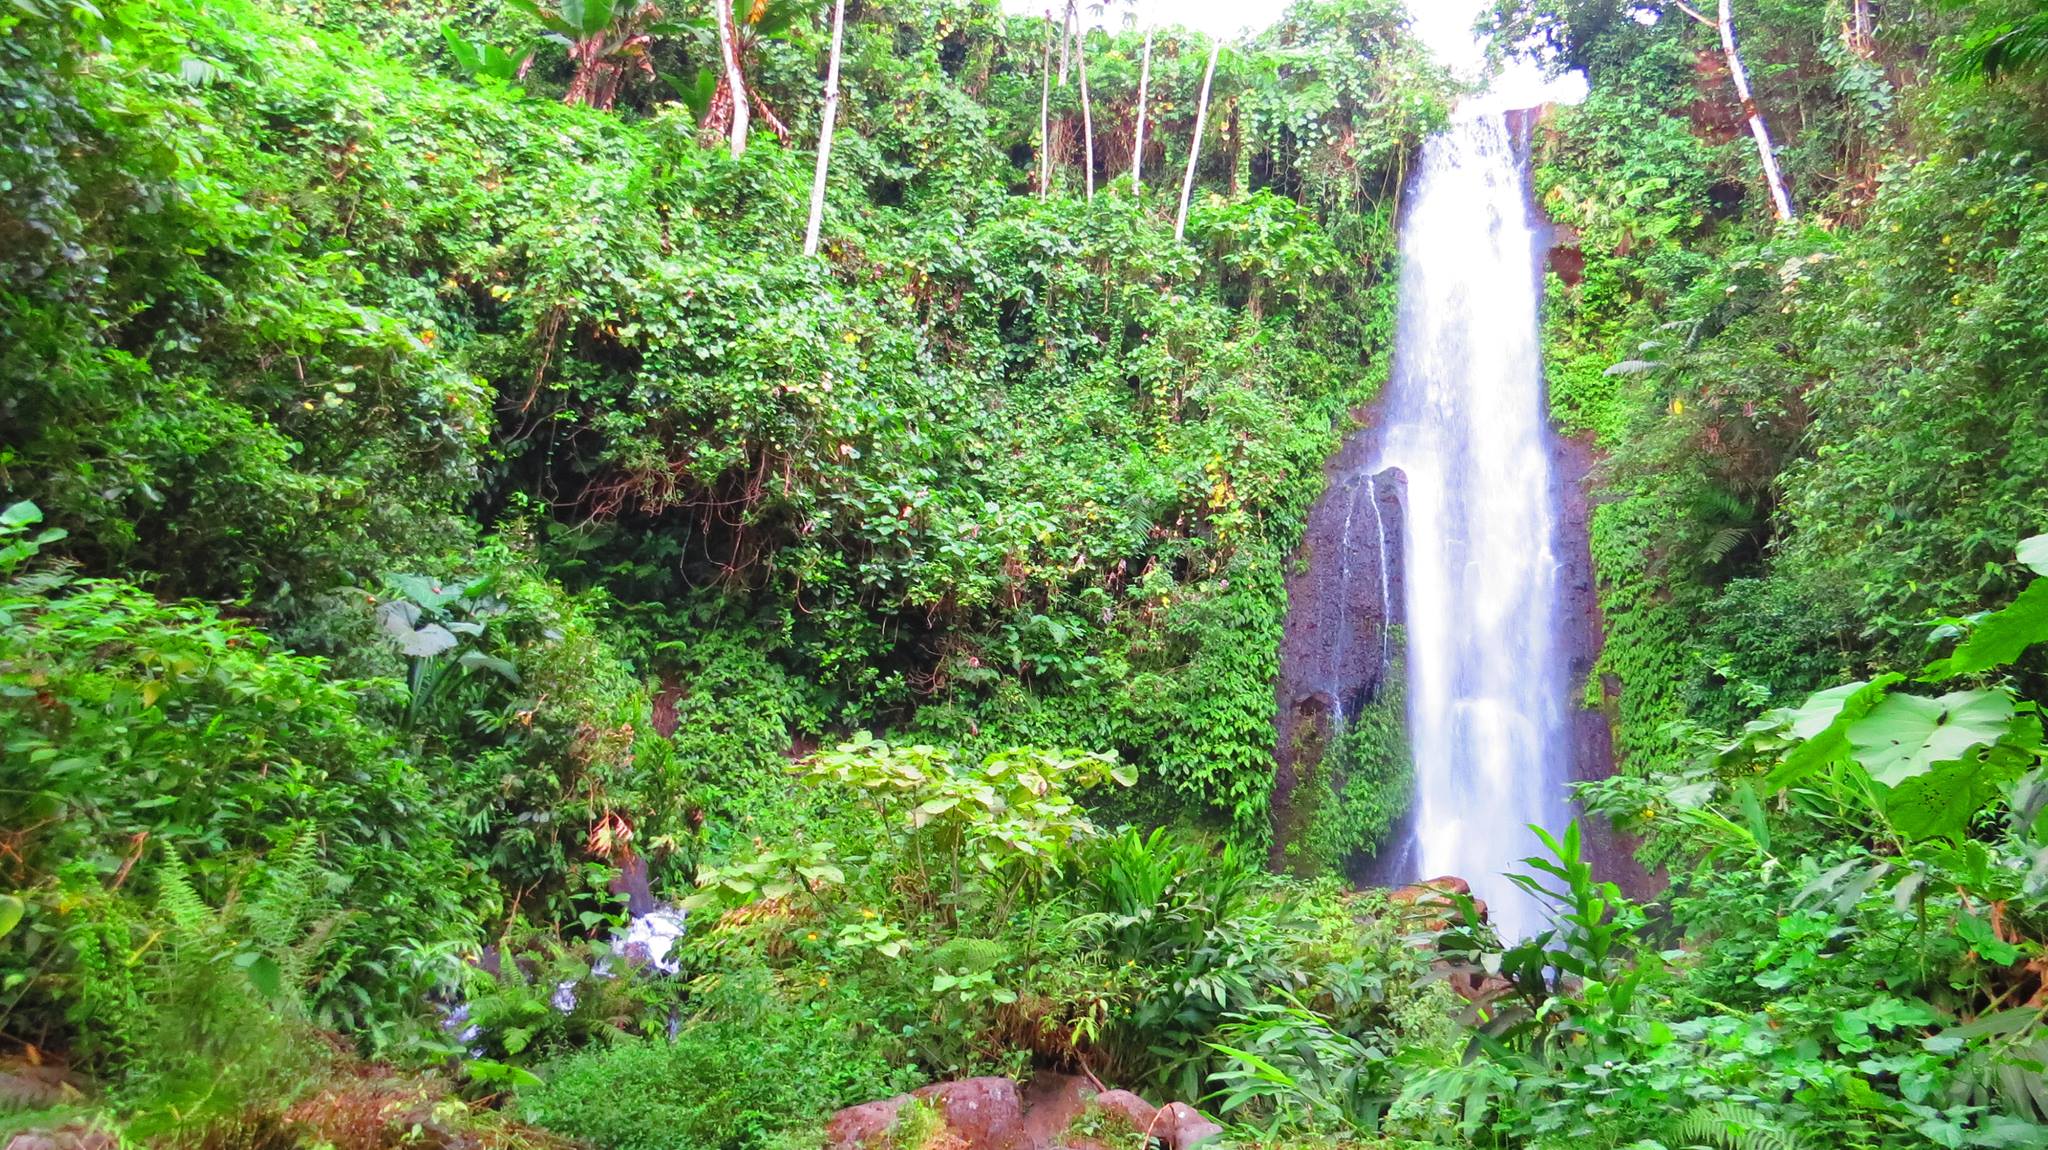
(718, 1085)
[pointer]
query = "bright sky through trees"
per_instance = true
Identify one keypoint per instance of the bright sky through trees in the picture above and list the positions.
(1446, 25)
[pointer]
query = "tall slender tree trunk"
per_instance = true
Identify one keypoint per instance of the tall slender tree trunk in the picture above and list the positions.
(1187, 186)
(735, 80)
(827, 122)
(1066, 41)
(1045, 115)
(1087, 109)
(1138, 133)
(1862, 30)
(1781, 197)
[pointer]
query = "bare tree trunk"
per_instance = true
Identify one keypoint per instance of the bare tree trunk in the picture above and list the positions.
(729, 48)
(1862, 30)
(1066, 41)
(1087, 110)
(1187, 186)
(1781, 198)
(829, 119)
(1045, 115)
(1138, 134)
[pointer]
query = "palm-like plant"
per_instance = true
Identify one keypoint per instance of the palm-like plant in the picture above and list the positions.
(606, 39)
(2004, 47)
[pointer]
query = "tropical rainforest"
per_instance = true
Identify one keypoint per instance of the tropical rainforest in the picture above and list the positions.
(630, 575)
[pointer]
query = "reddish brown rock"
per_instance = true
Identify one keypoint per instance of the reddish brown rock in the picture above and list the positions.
(1182, 1127)
(984, 1113)
(1142, 1115)
(72, 1137)
(865, 1125)
(1435, 890)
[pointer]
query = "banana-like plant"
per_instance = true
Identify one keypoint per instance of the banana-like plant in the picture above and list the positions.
(606, 39)
(484, 61)
(752, 23)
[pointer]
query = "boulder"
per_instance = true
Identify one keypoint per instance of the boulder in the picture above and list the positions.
(1182, 1127)
(1435, 890)
(71, 1137)
(991, 1114)
(984, 1113)
(1432, 905)
(865, 1125)
(1142, 1115)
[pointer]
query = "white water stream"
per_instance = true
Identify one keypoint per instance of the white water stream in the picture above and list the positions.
(1488, 678)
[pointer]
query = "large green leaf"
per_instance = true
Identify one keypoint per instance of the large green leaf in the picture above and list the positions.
(1904, 736)
(1822, 722)
(1941, 802)
(2034, 553)
(2000, 637)
(427, 642)
(588, 17)
(465, 53)
(432, 594)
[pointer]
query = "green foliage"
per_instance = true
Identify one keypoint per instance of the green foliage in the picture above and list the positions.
(2017, 45)
(1012, 817)
(721, 1083)
(1365, 782)
(133, 730)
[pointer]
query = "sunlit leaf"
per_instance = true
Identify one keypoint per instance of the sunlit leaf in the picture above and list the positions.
(2034, 553)
(1906, 735)
(2000, 637)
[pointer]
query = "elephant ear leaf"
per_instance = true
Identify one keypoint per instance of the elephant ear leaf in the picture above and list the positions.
(427, 642)
(1821, 724)
(1941, 802)
(465, 53)
(695, 96)
(478, 661)
(2034, 554)
(398, 617)
(1906, 736)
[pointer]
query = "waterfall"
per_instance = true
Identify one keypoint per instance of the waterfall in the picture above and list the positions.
(1488, 680)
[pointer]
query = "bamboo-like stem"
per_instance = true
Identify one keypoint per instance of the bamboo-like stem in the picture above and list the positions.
(1781, 197)
(1187, 186)
(1087, 109)
(735, 79)
(1138, 134)
(828, 120)
(1045, 115)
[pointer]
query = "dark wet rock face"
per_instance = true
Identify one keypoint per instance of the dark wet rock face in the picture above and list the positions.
(1343, 602)
(1583, 630)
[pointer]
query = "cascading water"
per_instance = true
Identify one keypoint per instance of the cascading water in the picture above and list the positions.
(1488, 678)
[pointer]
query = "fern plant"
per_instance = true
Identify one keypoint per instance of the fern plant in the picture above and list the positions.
(1730, 1126)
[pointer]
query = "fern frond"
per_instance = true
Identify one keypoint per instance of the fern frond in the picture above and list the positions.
(1731, 1126)
(1721, 544)
(179, 902)
(970, 955)
(2003, 49)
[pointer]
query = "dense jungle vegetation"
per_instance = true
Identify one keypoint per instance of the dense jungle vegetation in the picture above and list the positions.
(445, 510)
